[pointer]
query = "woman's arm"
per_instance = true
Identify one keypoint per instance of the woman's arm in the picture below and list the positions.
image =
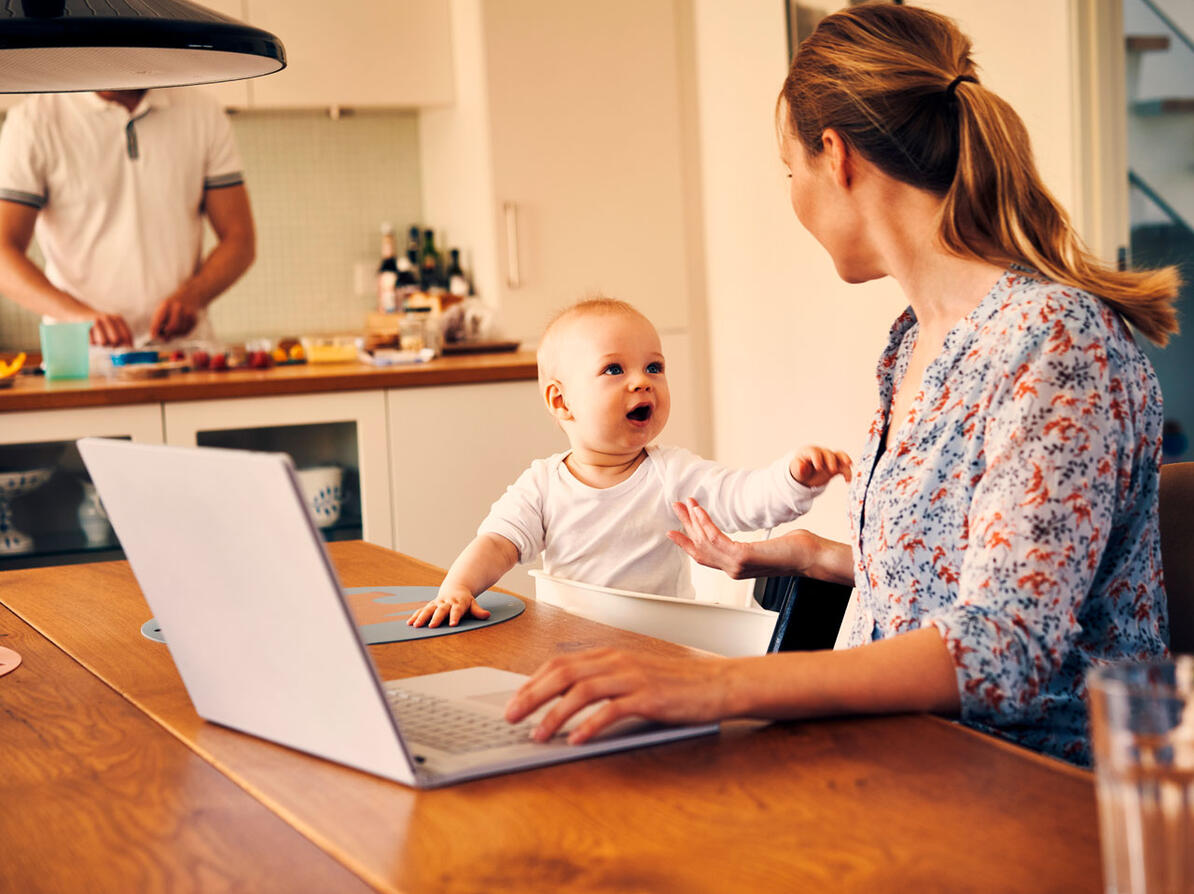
(800, 552)
(910, 672)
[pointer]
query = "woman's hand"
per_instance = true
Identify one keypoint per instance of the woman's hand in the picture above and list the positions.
(794, 553)
(667, 690)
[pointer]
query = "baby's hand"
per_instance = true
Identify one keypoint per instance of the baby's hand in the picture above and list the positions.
(814, 466)
(452, 603)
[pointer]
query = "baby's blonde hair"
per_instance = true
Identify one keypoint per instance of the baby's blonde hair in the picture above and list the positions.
(548, 356)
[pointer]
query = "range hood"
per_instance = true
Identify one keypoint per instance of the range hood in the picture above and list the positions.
(49, 46)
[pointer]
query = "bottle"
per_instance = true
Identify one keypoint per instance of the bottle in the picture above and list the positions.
(408, 277)
(429, 269)
(457, 283)
(387, 272)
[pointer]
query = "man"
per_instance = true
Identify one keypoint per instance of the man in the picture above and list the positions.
(115, 185)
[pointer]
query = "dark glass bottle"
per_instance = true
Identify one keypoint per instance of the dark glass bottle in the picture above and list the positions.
(429, 265)
(457, 282)
(387, 272)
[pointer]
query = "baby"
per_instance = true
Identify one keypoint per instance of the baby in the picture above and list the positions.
(601, 511)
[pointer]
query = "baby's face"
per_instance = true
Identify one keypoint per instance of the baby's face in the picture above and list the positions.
(612, 375)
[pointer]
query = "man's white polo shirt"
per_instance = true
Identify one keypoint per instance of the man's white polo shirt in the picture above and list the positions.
(120, 194)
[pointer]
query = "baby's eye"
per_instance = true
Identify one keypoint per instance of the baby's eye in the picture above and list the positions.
(655, 368)
(614, 369)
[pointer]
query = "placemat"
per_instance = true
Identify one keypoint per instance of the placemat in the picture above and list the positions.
(381, 613)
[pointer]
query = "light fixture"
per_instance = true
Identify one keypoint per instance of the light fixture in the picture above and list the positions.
(49, 46)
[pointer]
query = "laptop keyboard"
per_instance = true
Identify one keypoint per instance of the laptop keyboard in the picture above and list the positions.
(444, 724)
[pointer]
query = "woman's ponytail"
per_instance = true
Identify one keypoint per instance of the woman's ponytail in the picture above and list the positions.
(898, 83)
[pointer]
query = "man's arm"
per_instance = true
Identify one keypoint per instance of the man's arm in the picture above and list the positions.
(24, 283)
(232, 220)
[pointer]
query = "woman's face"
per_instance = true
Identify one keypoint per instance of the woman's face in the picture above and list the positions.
(828, 209)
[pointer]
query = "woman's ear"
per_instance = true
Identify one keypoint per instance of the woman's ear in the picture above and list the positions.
(553, 395)
(839, 157)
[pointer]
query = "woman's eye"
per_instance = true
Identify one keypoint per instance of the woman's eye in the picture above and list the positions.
(614, 369)
(655, 368)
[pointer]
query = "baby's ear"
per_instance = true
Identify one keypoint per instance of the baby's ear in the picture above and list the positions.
(553, 395)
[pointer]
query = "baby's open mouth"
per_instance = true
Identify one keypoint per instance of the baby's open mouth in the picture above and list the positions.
(641, 413)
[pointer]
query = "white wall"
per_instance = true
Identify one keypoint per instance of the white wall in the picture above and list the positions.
(792, 348)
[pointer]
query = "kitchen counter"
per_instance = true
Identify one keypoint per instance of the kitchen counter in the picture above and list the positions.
(35, 393)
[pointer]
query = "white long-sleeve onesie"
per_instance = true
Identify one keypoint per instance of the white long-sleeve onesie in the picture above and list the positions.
(617, 536)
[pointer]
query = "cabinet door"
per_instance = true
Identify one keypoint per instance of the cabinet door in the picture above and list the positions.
(345, 429)
(140, 422)
(587, 148)
(396, 53)
(454, 449)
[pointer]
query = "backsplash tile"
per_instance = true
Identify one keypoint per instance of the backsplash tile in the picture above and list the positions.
(320, 189)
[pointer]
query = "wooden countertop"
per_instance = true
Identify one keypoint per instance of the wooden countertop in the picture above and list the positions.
(35, 393)
(899, 803)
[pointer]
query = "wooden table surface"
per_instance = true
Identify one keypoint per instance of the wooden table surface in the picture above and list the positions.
(880, 804)
(95, 796)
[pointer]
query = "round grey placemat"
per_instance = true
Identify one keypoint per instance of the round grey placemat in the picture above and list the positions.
(391, 624)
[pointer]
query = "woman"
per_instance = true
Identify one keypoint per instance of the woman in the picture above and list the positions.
(1003, 510)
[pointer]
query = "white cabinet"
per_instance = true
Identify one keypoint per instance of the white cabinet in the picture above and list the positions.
(346, 429)
(586, 147)
(357, 54)
(567, 164)
(49, 514)
(453, 451)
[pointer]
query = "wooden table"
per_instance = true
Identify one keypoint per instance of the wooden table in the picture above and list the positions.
(95, 796)
(882, 804)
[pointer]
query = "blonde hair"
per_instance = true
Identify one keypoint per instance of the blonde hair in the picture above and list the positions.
(597, 305)
(898, 84)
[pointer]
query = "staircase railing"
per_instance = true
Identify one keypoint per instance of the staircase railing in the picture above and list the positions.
(1172, 213)
(1169, 23)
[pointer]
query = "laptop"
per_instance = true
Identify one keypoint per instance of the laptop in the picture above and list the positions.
(234, 569)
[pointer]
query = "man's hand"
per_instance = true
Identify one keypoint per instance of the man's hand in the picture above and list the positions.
(815, 466)
(110, 330)
(450, 602)
(173, 319)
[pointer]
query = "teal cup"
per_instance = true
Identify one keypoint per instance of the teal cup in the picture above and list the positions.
(65, 349)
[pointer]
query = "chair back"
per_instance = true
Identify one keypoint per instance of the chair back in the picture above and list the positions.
(1176, 509)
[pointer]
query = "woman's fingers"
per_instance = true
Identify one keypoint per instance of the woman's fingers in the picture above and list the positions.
(552, 679)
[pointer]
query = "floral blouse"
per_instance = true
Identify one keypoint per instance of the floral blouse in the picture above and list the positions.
(1016, 508)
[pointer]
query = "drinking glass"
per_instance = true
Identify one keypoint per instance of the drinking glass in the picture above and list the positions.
(1142, 729)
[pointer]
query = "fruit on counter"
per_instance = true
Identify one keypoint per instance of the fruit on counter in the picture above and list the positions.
(280, 355)
(296, 352)
(200, 360)
(179, 354)
(12, 367)
(219, 361)
(260, 360)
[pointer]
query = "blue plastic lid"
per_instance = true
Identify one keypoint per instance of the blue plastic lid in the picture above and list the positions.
(125, 358)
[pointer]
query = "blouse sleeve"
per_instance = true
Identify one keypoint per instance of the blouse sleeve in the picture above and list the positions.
(1057, 438)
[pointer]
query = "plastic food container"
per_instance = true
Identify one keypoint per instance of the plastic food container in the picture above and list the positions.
(723, 629)
(335, 349)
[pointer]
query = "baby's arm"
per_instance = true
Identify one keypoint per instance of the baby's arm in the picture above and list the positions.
(816, 466)
(475, 570)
